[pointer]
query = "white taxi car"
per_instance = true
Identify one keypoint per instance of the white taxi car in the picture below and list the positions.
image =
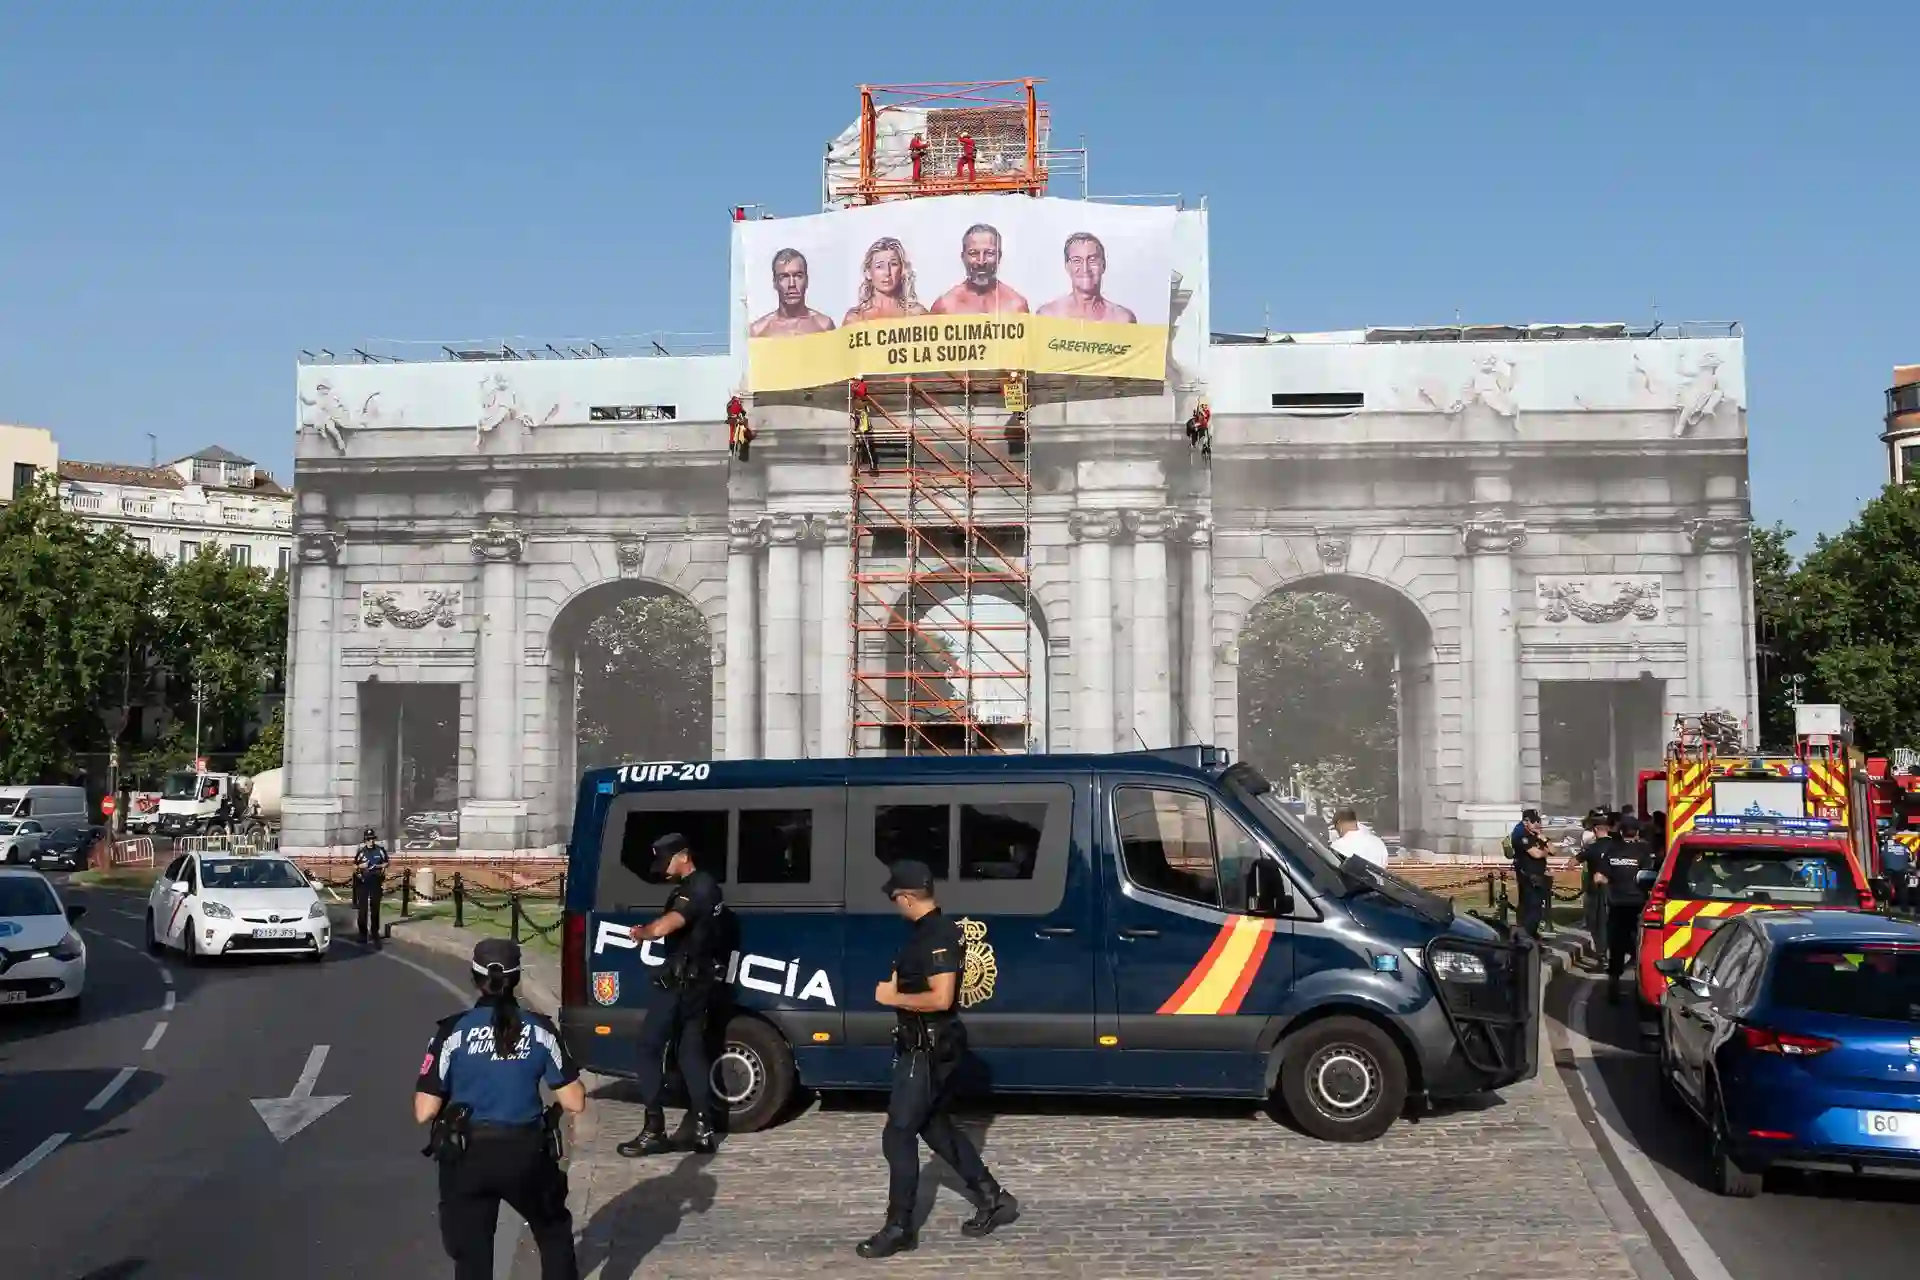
(42, 958)
(222, 904)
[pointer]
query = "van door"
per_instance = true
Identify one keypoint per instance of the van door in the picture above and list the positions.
(1012, 869)
(1184, 955)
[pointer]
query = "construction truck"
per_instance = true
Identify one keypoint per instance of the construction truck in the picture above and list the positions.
(202, 803)
(1753, 831)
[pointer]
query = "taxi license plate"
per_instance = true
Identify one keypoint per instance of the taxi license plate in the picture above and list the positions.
(276, 933)
(13, 997)
(1890, 1124)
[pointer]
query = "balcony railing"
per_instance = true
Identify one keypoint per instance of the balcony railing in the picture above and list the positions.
(160, 509)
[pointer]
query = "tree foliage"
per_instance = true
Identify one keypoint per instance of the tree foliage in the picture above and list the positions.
(76, 622)
(267, 749)
(223, 631)
(1317, 700)
(1844, 619)
(645, 682)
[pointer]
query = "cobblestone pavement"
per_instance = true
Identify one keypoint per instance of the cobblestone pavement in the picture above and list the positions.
(1116, 1189)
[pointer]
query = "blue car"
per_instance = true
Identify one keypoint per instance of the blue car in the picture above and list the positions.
(1794, 1036)
(1149, 924)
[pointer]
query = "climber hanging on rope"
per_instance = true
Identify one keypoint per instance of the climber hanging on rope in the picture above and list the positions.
(862, 408)
(739, 434)
(1200, 429)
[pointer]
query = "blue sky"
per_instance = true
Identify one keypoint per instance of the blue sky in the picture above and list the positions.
(191, 193)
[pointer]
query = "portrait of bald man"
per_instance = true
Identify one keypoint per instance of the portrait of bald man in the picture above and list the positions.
(1086, 272)
(982, 292)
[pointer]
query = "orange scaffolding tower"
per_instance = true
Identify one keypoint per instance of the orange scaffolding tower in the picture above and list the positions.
(940, 492)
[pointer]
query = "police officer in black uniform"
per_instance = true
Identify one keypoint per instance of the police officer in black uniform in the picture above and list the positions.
(369, 877)
(929, 1042)
(693, 923)
(479, 1088)
(1530, 872)
(1616, 862)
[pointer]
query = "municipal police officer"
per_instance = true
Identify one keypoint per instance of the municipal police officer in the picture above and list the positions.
(480, 1089)
(929, 1043)
(693, 922)
(1617, 861)
(369, 877)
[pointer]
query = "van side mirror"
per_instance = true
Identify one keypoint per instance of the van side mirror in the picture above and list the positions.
(1267, 891)
(181, 886)
(1645, 879)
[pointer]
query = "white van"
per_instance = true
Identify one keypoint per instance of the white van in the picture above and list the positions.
(50, 806)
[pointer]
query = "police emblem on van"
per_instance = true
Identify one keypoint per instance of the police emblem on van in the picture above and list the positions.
(606, 988)
(980, 970)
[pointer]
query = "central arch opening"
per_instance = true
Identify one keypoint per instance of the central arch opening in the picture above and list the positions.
(634, 674)
(1336, 702)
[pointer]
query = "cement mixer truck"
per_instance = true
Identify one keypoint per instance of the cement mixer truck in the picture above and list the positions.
(195, 803)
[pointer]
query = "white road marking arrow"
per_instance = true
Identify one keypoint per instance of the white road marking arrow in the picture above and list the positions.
(287, 1116)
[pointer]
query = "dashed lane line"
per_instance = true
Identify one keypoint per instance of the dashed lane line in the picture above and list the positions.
(167, 1005)
(159, 1029)
(31, 1159)
(1685, 1237)
(102, 1098)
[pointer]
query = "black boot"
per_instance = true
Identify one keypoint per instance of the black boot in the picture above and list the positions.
(652, 1140)
(992, 1209)
(898, 1236)
(1613, 990)
(705, 1140)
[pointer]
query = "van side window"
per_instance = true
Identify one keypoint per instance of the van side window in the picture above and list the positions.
(173, 869)
(1238, 852)
(705, 830)
(776, 846)
(1167, 844)
(1000, 841)
(25, 808)
(916, 831)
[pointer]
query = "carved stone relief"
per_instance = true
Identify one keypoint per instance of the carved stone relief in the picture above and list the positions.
(410, 608)
(1599, 599)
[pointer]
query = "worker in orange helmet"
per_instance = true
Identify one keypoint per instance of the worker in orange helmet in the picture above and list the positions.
(739, 434)
(918, 150)
(863, 426)
(1200, 429)
(965, 169)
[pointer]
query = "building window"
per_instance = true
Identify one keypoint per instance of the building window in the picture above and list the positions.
(24, 474)
(240, 553)
(144, 546)
(1909, 464)
(188, 550)
(206, 472)
(286, 559)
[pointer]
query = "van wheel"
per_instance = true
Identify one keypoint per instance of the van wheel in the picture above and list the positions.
(753, 1075)
(1344, 1080)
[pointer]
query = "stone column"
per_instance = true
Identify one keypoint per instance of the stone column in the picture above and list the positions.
(1152, 680)
(1197, 689)
(312, 808)
(744, 540)
(785, 736)
(495, 817)
(1720, 542)
(1493, 800)
(1092, 560)
(836, 634)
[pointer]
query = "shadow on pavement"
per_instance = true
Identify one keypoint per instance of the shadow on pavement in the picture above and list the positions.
(628, 1228)
(125, 1269)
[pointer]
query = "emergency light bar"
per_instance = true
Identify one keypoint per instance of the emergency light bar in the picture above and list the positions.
(1765, 825)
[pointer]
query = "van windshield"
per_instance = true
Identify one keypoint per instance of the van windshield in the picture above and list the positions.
(1317, 862)
(180, 786)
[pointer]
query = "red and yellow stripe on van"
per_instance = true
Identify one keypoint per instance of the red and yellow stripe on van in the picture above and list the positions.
(1682, 939)
(1220, 981)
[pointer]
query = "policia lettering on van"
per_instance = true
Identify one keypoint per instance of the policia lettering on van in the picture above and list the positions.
(1152, 923)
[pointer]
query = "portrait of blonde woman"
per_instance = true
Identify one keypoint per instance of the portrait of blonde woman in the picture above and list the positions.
(886, 284)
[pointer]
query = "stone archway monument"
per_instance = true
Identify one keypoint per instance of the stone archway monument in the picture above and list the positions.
(1563, 509)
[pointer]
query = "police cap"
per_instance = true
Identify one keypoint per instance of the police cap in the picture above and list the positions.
(495, 958)
(666, 848)
(909, 876)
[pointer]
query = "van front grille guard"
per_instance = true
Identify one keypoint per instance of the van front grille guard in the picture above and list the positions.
(1490, 992)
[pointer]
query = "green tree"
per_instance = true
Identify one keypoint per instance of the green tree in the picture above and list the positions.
(269, 748)
(1317, 698)
(75, 622)
(1777, 641)
(645, 683)
(223, 634)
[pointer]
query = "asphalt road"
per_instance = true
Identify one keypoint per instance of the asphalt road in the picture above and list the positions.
(166, 1170)
(1803, 1227)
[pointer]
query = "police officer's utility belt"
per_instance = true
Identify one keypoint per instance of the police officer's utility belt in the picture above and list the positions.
(685, 969)
(924, 1035)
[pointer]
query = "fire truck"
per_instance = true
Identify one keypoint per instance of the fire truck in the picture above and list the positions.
(1757, 831)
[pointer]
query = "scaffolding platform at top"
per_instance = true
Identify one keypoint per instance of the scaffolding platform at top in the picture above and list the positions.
(915, 140)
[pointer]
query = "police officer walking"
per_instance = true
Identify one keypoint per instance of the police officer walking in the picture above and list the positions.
(479, 1088)
(369, 880)
(681, 997)
(1616, 863)
(929, 1043)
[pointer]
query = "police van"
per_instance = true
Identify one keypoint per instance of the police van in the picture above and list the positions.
(1153, 923)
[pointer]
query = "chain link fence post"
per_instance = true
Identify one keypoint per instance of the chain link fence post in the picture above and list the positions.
(513, 912)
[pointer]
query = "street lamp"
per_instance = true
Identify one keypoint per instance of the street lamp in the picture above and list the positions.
(199, 704)
(1796, 686)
